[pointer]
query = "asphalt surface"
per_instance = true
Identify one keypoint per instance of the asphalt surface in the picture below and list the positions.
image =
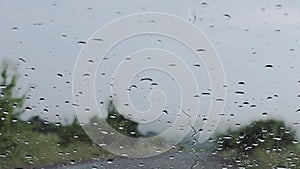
(167, 160)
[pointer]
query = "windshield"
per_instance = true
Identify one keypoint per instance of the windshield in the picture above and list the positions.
(149, 84)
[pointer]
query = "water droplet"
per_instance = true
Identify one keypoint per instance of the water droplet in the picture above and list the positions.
(269, 66)
(37, 24)
(98, 39)
(146, 79)
(109, 161)
(204, 4)
(206, 93)
(278, 6)
(196, 65)
(172, 157)
(277, 31)
(227, 16)
(28, 108)
(200, 50)
(59, 75)
(241, 83)
(240, 92)
(21, 59)
(81, 42)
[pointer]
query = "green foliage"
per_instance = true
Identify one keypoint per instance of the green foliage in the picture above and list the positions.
(265, 134)
(36, 142)
(11, 106)
(73, 133)
(66, 134)
(120, 123)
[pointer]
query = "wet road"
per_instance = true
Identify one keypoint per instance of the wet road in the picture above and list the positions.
(167, 160)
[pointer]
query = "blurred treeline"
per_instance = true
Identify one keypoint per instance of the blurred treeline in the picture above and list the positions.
(21, 140)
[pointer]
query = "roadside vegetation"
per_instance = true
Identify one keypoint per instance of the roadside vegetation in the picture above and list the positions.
(37, 142)
(261, 144)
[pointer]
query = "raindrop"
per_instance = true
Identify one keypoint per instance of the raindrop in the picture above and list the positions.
(204, 4)
(98, 39)
(200, 50)
(196, 65)
(109, 161)
(278, 6)
(37, 24)
(196, 95)
(146, 79)
(277, 138)
(21, 59)
(141, 164)
(241, 83)
(86, 75)
(28, 108)
(264, 113)
(193, 17)
(81, 42)
(227, 16)
(268, 66)
(59, 75)
(205, 93)
(28, 156)
(240, 92)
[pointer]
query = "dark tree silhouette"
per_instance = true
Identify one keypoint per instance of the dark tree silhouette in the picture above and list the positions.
(11, 105)
(120, 123)
(266, 134)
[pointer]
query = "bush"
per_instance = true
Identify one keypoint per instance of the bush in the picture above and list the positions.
(11, 106)
(266, 134)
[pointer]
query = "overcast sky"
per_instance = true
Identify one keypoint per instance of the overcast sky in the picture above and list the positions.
(248, 35)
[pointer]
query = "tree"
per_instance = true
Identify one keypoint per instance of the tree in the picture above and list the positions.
(120, 123)
(71, 133)
(266, 134)
(11, 106)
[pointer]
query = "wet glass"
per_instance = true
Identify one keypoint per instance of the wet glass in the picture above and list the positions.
(141, 84)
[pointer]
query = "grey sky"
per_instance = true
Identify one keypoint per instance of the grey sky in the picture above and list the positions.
(256, 34)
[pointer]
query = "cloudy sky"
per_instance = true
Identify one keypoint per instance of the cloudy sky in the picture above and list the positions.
(257, 42)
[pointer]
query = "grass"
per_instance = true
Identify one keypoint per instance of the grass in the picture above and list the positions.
(264, 158)
(34, 149)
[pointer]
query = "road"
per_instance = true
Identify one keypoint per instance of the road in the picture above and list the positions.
(167, 160)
